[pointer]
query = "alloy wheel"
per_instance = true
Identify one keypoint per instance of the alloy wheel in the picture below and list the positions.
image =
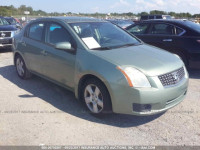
(93, 98)
(20, 67)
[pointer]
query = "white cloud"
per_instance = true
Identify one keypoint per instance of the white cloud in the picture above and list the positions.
(95, 9)
(191, 6)
(120, 3)
(124, 2)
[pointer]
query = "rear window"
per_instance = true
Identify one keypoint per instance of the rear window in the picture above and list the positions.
(192, 25)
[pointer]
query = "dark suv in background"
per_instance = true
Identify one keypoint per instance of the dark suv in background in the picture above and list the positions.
(7, 32)
(176, 36)
(147, 17)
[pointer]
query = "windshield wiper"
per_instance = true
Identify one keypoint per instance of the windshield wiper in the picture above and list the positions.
(101, 48)
(126, 45)
(114, 47)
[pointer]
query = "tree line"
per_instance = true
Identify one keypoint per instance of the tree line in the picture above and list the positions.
(13, 11)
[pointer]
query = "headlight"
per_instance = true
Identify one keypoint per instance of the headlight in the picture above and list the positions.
(13, 33)
(186, 72)
(135, 78)
(177, 56)
(17, 31)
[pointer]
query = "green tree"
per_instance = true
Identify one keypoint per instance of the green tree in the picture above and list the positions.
(143, 13)
(157, 12)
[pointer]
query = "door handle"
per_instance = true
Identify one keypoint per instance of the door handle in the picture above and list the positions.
(167, 40)
(23, 43)
(44, 52)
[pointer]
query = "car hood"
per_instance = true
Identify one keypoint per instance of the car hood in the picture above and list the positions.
(150, 60)
(8, 28)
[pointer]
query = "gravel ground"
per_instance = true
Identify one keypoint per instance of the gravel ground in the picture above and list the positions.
(35, 112)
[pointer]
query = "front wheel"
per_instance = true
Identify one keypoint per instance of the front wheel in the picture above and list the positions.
(22, 71)
(96, 97)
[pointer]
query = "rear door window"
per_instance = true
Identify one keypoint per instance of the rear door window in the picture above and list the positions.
(164, 29)
(179, 31)
(36, 31)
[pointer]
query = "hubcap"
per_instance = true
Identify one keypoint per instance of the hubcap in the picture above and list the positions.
(93, 98)
(20, 67)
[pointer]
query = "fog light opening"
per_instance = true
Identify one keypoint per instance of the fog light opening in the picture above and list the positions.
(141, 107)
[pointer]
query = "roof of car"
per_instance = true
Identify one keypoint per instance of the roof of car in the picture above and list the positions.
(73, 19)
(164, 20)
(156, 15)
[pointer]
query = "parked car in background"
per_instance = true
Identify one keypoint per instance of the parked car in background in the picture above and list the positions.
(176, 36)
(106, 67)
(147, 17)
(122, 23)
(18, 21)
(7, 32)
(12, 21)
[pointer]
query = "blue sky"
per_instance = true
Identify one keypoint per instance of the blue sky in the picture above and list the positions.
(108, 6)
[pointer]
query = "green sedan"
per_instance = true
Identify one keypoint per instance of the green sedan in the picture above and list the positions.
(107, 68)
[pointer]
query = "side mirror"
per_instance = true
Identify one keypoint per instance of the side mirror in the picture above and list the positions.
(64, 46)
(18, 26)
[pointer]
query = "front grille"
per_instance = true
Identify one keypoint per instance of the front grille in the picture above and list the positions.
(5, 41)
(172, 78)
(5, 34)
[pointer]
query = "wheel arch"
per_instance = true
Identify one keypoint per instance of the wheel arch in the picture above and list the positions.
(84, 78)
(18, 54)
(182, 53)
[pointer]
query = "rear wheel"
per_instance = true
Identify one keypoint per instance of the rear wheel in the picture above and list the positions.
(96, 97)
(22, 71)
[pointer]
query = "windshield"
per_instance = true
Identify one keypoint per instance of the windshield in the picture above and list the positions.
(123, 23)
(103, 35)
(192, 25)
(3, 22)
(11, 20)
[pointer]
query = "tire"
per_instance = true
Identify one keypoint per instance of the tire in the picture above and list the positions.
(21, 68)
(96, 98)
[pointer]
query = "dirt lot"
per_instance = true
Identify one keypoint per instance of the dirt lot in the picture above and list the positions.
(35, 112)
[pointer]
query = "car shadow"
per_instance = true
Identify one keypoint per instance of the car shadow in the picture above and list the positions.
(194, 73)
(66, 102)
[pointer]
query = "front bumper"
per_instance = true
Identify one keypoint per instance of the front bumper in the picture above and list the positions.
(158, 97)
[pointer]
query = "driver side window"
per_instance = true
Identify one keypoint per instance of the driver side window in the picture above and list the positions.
(57, 34)
(139, 29)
